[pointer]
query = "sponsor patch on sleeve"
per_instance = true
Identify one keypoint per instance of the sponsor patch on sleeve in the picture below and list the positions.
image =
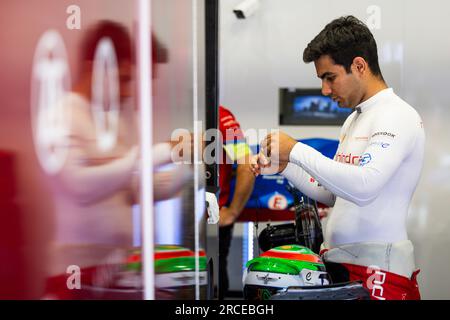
(383, 134)
(381, 144)
(365, 159)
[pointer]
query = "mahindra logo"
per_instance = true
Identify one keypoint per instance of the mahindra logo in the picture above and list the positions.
(347, 158)
(266, 278)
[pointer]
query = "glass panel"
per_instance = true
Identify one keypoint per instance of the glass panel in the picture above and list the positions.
(69, 150)
(70, 154)
(178, 103)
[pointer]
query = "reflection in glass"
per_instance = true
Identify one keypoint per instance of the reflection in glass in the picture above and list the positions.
(97, 185)
(70, 152)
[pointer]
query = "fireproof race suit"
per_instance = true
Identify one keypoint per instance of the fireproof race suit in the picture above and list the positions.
(370, 183)
(374, 173)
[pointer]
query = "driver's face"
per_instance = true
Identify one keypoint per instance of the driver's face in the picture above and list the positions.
(344, 88)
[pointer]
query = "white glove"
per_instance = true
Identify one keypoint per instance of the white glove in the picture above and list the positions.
(213, 208)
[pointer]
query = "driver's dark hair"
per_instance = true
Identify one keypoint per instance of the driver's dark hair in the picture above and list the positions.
(344, 39)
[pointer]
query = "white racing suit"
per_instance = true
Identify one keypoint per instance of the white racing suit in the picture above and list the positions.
(369, 183)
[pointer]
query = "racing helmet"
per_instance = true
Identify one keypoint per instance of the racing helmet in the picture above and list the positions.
(279, 268)
(174, 271)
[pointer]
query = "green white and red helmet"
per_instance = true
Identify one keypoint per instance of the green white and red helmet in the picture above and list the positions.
(280, 268)
(174, 266)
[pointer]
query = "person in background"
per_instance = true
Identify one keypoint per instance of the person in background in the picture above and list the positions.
(236, 150)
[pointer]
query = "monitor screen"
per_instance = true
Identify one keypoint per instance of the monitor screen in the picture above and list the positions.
(310, 107)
